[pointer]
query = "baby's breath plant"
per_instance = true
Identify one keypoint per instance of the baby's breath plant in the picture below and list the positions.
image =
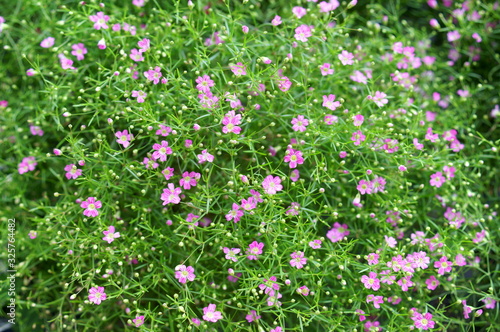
(250, 165)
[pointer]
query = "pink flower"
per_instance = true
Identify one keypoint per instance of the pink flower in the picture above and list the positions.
(79, 51)
(371, 281)
(303, 290)
(302, 33)
(298, 260)
(36, 131)
(47, 42)
(168, 173)
(231, 122)
(205, 157)
(150, 163)
(437, 179)
(231, 253)
(136, 55)
(254, 249)
(453, 35)
(252, 316)
(326, 69)
(184, 274)
(372, 258)
(276, 20)
(91, 206)
(328, 102)
(293, 157)
(32, 235)
(210, 315)
(72, 171)
(163, 131)
(140, 95)
(443, 265)
(27, 164)
(315, 244)
(235, 214)
(139, 3)
(299, 123)
(423, 322)
(299, 11)
(338, 232)
(358, 120)
(110, 234)
(161, 151)
(244, 29)
(204, 83)
(379, 98)
(144, 45)
(99, 20)
(124, 138)
(284, 84)
(358, 137)
(346, 58)
(489, 303)
(272, 184)
(153, 75)
(138, 321)
(377, 300)
(238, 69)
(171, 195)
(405, 283)
(364, 187)
(467, 309)
(189, 180)
(97, 295)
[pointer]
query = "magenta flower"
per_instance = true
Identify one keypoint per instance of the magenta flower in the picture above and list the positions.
(358, 137)
(91, 206)
(379, 98)
(153, 75)
(238, 69)
(302, 33)
(168, 173)
(293, 157)
(171, 195)
(299, 123)
(110, 234)
(272, 184)
(205, 157)
(184, 274)
(372, 258)
(358, 120)
(99, 20)
(252, 316)
(371, 281)
(423, 322)
(443, 265)
(276, 20)
(47, 42)
(149, 163)
(79, 51)
(124, 138)
(26, 165)
(346, 58)
(210, 315)
(298, 260)
(144, 45)
(489, 303)
(235, 214)
(437, 179)
(231, 253)
(163, 131)
(231, 122)
(338, 232)
(303, 290)
(326, 69)
(138, 321)
(330, 103)
(453, 35)
(189, 180)
(364, 187)
(204, 83)
(32, 235)
(254, 249)
(284, 84)
(140, 95)
(161, 151)
(136, 55)
(270, 286)
(97, 295)
(467, 309)
(377, 300)
(315, 244)
(72, 171)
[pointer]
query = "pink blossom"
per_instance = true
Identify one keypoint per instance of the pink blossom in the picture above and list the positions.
(443, 265)
(284, 84)
(298, 260)
(153, 75)
(210, 315)
(204, 83)
(299, 11)
(184, 274)
(136, 55)
(338, 232)
(32, 235)
(302, 33)
(171, 195)
(231, 122)
(99, 20)
(72, 171)
(124, 138)
(110, 234)
(164, 130)
(315, 244)
(346, 58)
(293, 157)
(138, 321)
(189, 180)
(379, 98)
(254, 249)
(205, 157)
(161, 151)
(47, 42)
(238, 69)
(377, 300)
(97, 295)
(168, 173)
(326, 69)
(371, 281)
(303, 290)
(235, 214)
(453, 36)
(272, 184)
(252, 316)
(149, 163)
(276, 20)
(437, 179)
(330, 103)
(79, 51)
(358, 137)
(423, 322)
(299, 123)
(144, 45)
(231, 253)
(91, 206)
(140, 95)
(358, 120)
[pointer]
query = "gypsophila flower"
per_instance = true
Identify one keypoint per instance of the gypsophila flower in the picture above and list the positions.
(205, 157)
(252, 316)
(110, 235)
(346, 58)
(231, 253)
(210, 314)
(161, 151)
(298, 260)
(91, 205)
(138, 321)
(238, 69)
(97, 295)
(32, 235)
(99, 20)
(254, 250)
(272, 184)
(299, 123)
(72, 171)
(140, 95)
(171, 194)
(184, 274)
(124, 138)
